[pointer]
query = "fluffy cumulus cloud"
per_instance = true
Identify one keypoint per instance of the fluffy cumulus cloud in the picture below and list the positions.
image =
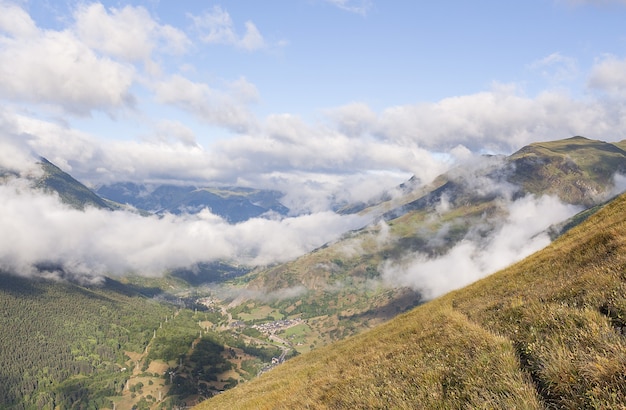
(226, 109)
(502, 120)
(475, 257)
(168, 130)
(609, 75)
(129, 33)
(311, 179)
(40, 231)
(56, 67)
(216, 26)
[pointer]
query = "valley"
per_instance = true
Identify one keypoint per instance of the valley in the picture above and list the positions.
(186, 334)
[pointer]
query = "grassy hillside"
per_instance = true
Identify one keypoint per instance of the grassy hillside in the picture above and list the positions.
(576, 169)
(545, 333)
(338, 282)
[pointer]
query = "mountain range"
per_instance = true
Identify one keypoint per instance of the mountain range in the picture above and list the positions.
(234, 204)
(469, 200)
(482, 215)
(547, 332)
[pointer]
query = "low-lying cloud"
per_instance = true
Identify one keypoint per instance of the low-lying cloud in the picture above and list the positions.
(523, 232)
(37, 229)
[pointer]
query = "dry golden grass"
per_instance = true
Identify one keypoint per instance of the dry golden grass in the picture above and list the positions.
(544, 333)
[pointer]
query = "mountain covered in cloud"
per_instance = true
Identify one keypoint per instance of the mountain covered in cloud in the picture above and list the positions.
(547, 332)
(71, 191)
(47, 177)
(468, 205)
(234, 204)
(344, 271)
(471, 221)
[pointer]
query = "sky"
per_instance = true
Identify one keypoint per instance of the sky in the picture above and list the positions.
(328, 101)
(330, 94)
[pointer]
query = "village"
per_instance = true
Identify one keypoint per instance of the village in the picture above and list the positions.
(271, 328)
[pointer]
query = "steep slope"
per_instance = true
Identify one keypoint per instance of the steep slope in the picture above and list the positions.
(544, 333)
(69, 189)
(432, 219)
(578, 170)
(621, 145)
(65, 344)
(119, 344)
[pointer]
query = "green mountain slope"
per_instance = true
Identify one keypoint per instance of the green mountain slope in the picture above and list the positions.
(577, 169)
(64, 344)
(544, 333)
(340, 283)
(118, 345)
(69, 189)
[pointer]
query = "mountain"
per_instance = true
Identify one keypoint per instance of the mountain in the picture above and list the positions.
(64, 344)
(69, 189)
(473, 198)
(342, 287)
(235, 204)
(577, 170)
(67, 343)
(546, 332)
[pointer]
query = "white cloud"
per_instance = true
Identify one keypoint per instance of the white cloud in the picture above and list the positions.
(216, 26)
(128, 33)
(38, 229)
(55, 67)
(609, 75)
(58, 70)
(353, 6)
(353, 119)
(16, 22)
(211, 105)
(556, 67)
(501, 120)
(473, 258)
(168, 130)
(15, 154)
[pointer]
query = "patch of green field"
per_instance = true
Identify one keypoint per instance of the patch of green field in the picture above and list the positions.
(259, 313)
(301, 337)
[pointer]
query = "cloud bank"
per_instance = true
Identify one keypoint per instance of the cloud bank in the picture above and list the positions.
(39, 230)
(522, 233)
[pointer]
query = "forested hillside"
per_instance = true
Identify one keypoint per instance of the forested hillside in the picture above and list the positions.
(64, 344)
(119, 345)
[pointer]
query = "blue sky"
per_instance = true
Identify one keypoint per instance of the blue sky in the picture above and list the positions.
(339, 96)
